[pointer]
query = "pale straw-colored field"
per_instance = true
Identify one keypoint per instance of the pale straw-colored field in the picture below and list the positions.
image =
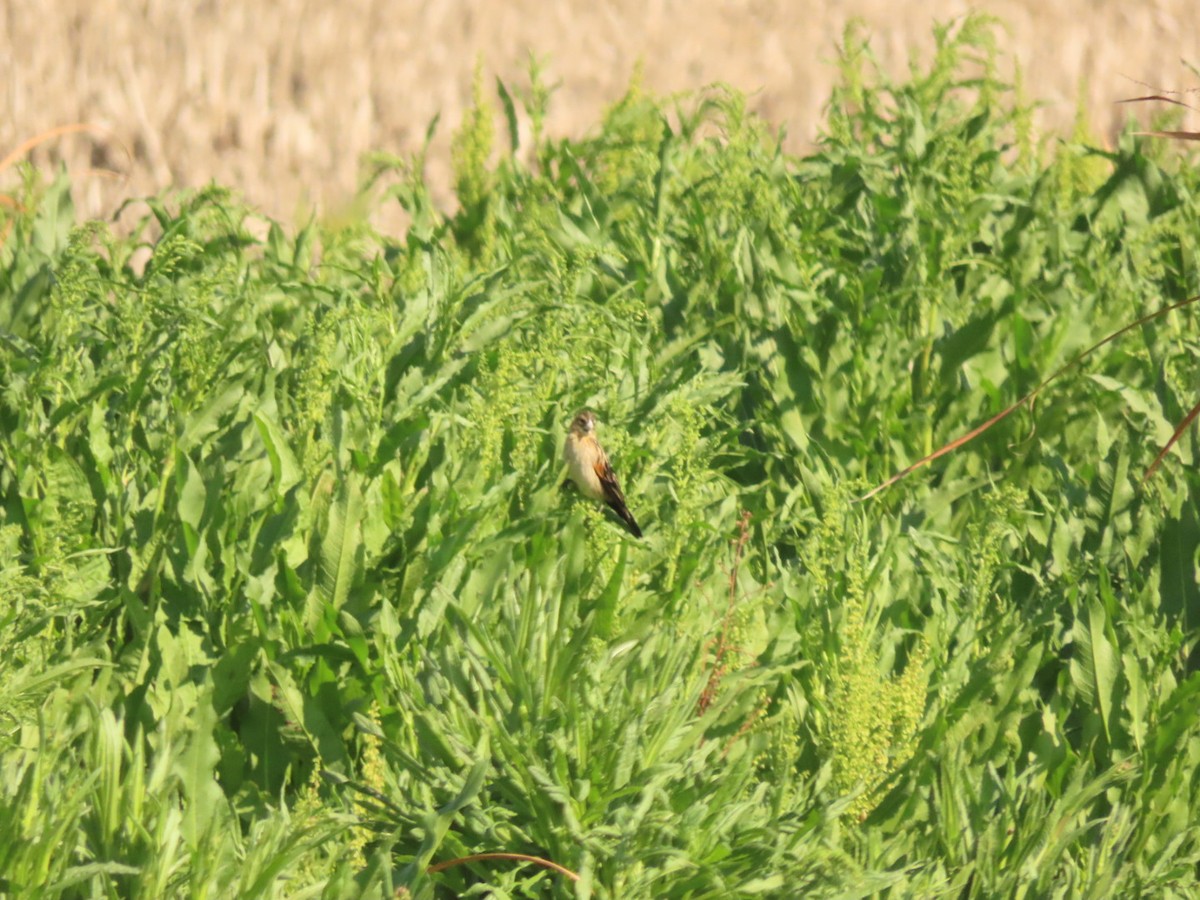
(281, 99)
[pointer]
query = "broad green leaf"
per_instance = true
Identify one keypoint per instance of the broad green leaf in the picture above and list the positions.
(1103, 663)
(196, 768)
(283, 462)
(341, 543)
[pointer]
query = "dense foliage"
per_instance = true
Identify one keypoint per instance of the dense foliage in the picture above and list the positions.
(293, 603)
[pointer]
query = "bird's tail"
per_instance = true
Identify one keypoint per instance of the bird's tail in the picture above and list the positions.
(627, 517)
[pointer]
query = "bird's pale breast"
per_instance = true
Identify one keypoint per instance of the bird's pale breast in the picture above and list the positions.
(581, 455)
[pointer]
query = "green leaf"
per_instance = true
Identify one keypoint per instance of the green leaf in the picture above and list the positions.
(284, 466)
(437, 825)
(200, 425)
(196, 767)
(341, 555)
(510, 116)
(1103, 663)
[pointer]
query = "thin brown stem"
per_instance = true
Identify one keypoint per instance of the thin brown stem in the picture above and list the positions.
(517, 857)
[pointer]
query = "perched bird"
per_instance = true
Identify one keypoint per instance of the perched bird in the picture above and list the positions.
(589, 468)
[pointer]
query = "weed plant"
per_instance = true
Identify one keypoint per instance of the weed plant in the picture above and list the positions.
(292, 603)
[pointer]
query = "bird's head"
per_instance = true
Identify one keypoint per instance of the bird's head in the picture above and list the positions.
(584, 423)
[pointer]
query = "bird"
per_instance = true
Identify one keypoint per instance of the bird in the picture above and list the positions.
(590, 470)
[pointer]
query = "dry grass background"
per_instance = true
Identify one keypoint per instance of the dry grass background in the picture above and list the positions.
(281, 99)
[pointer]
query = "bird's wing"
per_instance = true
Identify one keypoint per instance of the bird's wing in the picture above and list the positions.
(612, 492)
(608, 480)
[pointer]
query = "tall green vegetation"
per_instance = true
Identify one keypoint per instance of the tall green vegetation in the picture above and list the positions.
(292, 602)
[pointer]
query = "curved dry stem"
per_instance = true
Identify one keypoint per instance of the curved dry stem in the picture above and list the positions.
(1162, 454)
(1164, 98)
(1031, 396)
(58, 131)
(1151, 97)
(520, 857)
